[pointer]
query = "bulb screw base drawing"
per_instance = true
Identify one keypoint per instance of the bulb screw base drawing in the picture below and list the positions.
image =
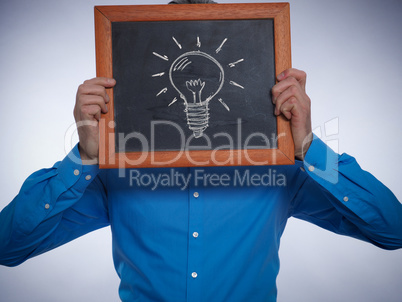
(197, 117)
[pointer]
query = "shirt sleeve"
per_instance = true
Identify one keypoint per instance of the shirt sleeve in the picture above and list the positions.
(54, 206)
(338, 195)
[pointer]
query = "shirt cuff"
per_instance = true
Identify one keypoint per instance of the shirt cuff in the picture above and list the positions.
(321, 161)
(73, 172)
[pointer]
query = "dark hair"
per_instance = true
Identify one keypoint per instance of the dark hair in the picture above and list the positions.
(191, 1)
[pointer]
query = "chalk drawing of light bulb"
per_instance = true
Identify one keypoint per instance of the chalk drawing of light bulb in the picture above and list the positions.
(197, 77)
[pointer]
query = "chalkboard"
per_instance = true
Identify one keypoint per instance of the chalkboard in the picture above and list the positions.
(192, 84)
(222, 55)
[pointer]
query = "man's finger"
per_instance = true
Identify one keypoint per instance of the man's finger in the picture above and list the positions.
(91, 112)
(282, 86)
(89, 89)
(289, 107)
(291, 91)
(102, 81)
(89, 100)
(299, 75)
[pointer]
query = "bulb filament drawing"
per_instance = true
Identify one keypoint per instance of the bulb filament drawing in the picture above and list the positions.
(197, 112)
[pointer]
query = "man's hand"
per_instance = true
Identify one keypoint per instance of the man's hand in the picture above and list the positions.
(91, 101)
(290, 99)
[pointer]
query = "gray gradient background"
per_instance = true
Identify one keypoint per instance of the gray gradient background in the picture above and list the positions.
(351, 52)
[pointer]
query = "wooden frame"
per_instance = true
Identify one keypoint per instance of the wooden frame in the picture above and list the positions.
(105, 16)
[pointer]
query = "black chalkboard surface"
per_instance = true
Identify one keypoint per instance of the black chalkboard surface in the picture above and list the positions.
(193, 84)
(234, 59)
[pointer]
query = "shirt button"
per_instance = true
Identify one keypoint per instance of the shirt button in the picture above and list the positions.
(88, 177)
(195, 234)
(194, 275)
(76, 172)
(47, 206)
(301, 168)
(311, 168)
(196, 194)
(345, 199)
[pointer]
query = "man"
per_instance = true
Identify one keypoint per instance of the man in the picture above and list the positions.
(204, 243)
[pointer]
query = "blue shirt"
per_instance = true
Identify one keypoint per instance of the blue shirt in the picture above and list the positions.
(197, 234)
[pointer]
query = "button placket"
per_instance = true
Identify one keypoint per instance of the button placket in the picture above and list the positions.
(194, 264)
